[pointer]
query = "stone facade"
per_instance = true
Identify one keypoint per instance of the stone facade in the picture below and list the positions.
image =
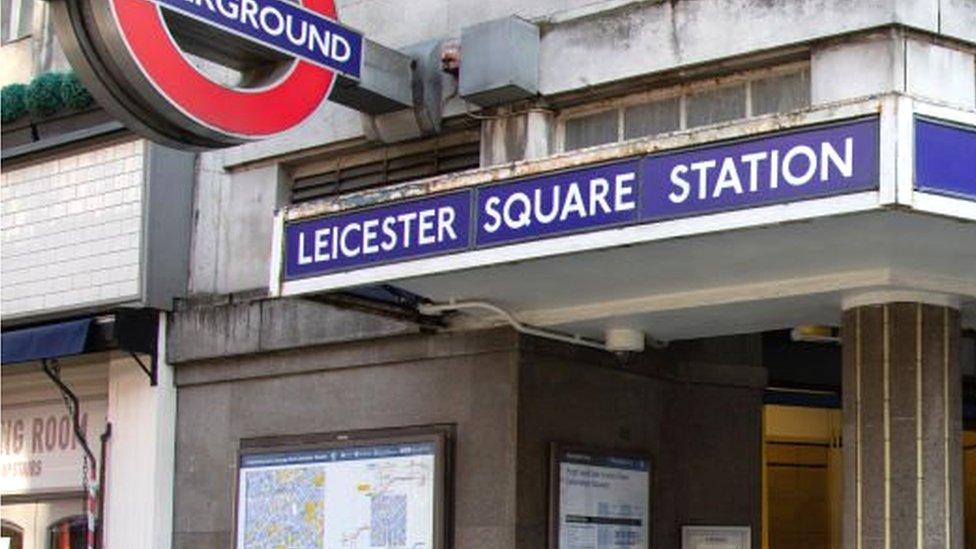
(506, 399)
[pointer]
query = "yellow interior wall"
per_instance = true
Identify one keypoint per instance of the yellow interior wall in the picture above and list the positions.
(803, 478)
(969, 493)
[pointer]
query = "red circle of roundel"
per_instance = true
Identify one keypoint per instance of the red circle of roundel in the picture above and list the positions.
(250, 113)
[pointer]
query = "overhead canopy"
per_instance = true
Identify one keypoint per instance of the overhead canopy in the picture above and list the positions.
(751, 280)
(44, 342)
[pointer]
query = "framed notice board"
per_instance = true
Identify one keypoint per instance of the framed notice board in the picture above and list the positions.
(599, 498)
(349, 490)
(716, 537)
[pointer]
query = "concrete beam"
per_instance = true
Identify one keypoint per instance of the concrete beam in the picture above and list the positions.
(386, 83)
(599, 43)
(205, 332)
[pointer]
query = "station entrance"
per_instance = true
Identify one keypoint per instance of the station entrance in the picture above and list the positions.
(803, 477)
(803, 444)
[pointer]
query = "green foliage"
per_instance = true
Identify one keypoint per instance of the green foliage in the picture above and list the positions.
(13, 104)
(44, 95)
(73, 93)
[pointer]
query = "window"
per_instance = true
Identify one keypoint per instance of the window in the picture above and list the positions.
(384, 166)
(590, 130)
(715, 106)
(652, 118)
(781, 93)
(68, 533)
(768, 91)
(12, 536)
(17, 20)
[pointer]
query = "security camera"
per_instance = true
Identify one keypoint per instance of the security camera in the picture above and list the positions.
(624, 357)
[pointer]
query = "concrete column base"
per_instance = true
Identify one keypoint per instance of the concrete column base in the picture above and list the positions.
(902, 427)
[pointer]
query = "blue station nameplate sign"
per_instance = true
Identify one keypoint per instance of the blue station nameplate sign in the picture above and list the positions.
(945, 158)
(801, 164)
(572, 201)
(405, 230)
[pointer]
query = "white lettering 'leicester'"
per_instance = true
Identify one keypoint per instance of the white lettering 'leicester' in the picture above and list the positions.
(378, 235)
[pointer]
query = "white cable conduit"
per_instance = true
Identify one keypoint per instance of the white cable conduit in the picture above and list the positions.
(436, 309)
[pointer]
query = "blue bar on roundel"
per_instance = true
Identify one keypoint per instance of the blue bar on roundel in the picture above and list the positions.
(283, 26)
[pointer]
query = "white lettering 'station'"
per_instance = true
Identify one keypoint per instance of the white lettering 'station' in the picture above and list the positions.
(798, 166)
(373, 236)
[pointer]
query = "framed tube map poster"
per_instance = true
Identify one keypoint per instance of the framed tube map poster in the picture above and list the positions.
(381, 493)
(600, 499)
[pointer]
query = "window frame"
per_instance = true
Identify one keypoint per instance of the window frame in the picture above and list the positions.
(681, 91)
(14, 19)
(70, 520)
(15, 529)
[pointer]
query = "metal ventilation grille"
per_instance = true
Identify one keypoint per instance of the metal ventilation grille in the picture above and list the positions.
(395, 169)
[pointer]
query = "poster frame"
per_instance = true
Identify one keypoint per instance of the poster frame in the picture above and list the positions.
(690, 530)
(440, 435)
(558, 449)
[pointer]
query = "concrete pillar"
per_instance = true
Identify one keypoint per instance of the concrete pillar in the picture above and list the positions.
(902, 424)
(141, 454)
(509, 137)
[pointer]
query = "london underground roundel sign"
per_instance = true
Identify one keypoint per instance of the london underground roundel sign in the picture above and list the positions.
(204, 74)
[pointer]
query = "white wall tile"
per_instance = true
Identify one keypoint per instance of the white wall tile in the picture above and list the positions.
(71, 230)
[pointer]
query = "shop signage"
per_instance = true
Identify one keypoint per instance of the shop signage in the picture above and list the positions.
(132, 54)
(945, 158)
(38, 450)
(798, 165)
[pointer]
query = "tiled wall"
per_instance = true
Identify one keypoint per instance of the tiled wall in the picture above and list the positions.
(71, 230)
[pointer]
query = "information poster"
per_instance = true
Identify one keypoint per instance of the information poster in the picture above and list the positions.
(716, 537)
(603, 500)
(380, 496)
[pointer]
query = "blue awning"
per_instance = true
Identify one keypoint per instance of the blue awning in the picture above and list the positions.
(42, 342)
